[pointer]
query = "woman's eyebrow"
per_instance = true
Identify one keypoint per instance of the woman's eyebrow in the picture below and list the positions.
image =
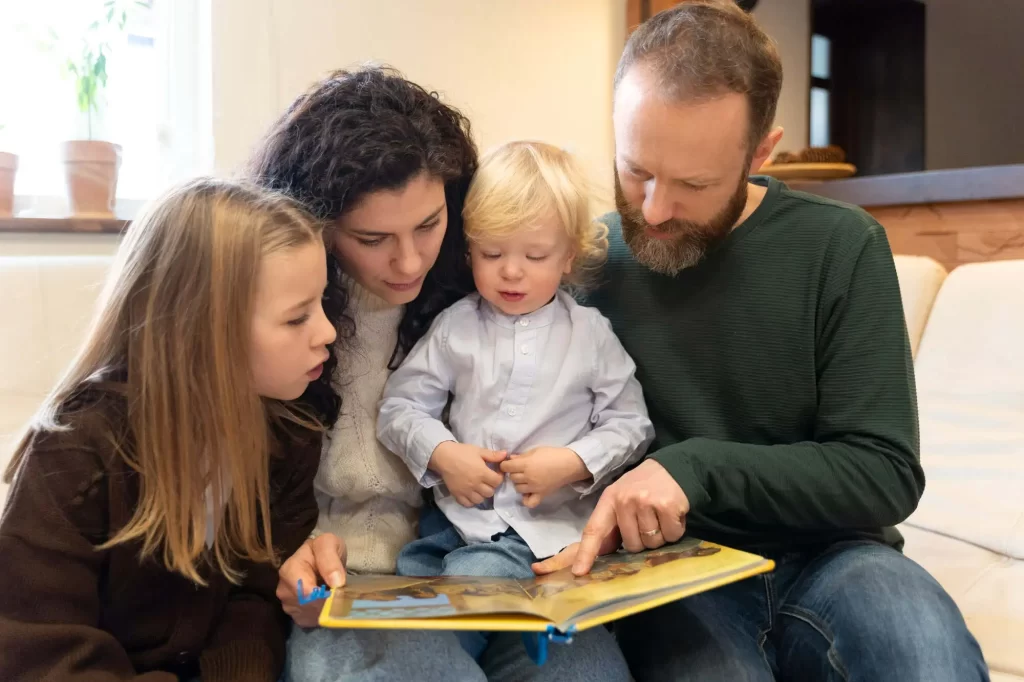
(373, 233)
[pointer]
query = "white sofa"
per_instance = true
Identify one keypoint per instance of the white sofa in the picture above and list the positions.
(968, 530)
(967, 330)
(45, 308)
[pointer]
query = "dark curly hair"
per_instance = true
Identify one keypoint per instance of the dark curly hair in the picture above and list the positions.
(357, 132)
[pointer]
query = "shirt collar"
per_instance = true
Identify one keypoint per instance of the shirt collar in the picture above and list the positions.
(541, 317)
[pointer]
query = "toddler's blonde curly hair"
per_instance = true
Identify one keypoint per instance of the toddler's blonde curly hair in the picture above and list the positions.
(519, 184)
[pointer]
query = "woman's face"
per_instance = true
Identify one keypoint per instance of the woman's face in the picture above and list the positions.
(391, 239)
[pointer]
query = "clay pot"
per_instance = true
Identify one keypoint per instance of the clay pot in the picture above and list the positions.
(8, 169)
(90, 170)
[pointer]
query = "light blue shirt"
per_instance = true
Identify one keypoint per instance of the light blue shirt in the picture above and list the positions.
(556, 377)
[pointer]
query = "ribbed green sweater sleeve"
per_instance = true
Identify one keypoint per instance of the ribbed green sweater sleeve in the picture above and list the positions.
(861, 469)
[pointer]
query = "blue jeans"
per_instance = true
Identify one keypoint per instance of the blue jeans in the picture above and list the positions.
(325, 655)
(444, 553)
(857, 611)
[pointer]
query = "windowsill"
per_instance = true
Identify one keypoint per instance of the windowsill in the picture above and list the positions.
(53, 207)
(63, 225)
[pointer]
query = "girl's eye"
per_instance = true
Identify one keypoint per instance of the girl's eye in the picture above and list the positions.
(536, 258)
(298, 321)
(490, 256)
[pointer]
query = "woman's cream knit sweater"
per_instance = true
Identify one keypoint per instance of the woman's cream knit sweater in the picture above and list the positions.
(366, 494)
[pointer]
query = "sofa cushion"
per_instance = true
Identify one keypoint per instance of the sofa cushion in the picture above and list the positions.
(920, 278)
(45, 310)
(987, 588)
(970, 382)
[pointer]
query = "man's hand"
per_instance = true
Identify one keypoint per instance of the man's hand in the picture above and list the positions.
(645, 499)
(465, 471)
(322, 556)
(539, 472)
(567, 556)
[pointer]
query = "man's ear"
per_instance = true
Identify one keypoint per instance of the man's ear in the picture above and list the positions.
(764, 149)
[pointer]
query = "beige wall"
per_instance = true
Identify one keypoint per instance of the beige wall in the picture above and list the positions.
(788, 22)
(526, 69)
(974, 62)
(530, 68)
(520, 69)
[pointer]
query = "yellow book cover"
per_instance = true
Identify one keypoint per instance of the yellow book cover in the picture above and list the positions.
(619, 585)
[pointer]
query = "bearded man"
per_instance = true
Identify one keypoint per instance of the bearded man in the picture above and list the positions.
(769, 337)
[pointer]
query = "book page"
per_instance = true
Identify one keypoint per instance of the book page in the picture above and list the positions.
(620, 577)
(618, 585)
(367, 600)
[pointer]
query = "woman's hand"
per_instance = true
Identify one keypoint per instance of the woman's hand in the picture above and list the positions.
(321, 557)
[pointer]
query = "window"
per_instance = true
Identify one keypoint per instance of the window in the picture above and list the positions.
(821, 90)
(155, 105)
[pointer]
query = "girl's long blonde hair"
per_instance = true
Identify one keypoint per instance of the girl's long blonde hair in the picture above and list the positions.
(175, 318)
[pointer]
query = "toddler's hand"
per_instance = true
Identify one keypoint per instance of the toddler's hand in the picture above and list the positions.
(539, 472)
(465, 471)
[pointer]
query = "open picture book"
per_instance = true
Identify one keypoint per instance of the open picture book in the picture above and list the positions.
(559, 604)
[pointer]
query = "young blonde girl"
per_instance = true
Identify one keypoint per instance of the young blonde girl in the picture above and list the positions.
(172, 466)
(545, 407)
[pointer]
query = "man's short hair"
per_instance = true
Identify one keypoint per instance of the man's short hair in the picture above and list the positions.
(703, 49)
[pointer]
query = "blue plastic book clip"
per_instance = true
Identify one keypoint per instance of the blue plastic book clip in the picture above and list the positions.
(536, 643)
(317, 593)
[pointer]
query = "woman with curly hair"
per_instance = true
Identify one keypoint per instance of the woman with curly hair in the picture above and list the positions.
(386, 165)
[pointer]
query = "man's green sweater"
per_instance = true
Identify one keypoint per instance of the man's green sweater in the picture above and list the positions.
(778, 375)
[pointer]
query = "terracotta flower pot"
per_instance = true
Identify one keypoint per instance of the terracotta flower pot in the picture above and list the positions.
(8, 169)
(90, 170)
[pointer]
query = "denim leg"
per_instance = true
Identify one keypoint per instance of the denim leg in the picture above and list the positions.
(716, 636)
(593, 656)
(864, 612)
(508, 556)
(329, 655)
(425, 557)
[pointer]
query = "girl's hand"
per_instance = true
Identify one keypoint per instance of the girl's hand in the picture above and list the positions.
(322, 556)
(539, 472)
(465, 471)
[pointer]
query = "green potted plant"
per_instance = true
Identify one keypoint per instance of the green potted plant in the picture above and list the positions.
(8, 169)
(91, 166)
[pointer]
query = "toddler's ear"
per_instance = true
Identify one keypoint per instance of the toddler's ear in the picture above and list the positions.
(568, 262)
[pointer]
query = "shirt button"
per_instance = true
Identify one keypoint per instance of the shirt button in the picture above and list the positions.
(524, 322)
(525, 350)
(511, 411)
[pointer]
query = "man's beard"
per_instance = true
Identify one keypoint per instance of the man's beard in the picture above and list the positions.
(690, 241)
